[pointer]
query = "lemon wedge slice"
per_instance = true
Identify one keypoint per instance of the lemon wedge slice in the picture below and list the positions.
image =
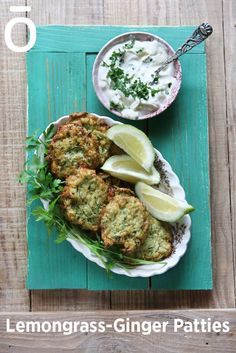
(126, 168)
(160, 205)
(135, 143)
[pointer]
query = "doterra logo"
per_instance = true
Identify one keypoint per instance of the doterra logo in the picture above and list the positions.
(11, 24)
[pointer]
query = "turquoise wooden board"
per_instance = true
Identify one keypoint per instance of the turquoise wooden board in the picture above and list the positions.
(59, 82)
(98, 279)
(53, 90)
(182, 136)
(90, 39)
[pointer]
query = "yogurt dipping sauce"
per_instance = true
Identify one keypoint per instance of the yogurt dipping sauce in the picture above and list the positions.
(128, 80)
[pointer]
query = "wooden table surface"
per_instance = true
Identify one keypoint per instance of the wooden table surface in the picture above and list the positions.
(221, 14)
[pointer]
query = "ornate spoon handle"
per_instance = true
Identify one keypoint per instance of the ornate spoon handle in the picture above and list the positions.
(201, 33)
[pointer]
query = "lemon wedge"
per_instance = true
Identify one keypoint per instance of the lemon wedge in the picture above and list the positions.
(135, 143)
(160, 205)
(126, 168)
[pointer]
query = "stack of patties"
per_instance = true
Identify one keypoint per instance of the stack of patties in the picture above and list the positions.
(100, 203)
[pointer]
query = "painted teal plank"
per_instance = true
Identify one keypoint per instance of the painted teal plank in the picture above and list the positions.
(56, 86)
(90, 39)
(97, 277)
(181, 134)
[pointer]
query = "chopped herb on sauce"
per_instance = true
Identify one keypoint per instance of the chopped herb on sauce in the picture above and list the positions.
(130, 76)
(155, 78)
(116, 106)
(147, 60)
(141, 50)
(123, 82)
(130, 45)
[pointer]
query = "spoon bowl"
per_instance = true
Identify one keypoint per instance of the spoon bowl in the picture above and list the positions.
(140, 36)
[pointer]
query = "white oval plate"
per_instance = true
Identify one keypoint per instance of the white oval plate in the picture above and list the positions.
(181, 230)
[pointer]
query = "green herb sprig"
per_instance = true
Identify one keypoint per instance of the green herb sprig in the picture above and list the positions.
(41, 183)
(110, 257)
(116, 106)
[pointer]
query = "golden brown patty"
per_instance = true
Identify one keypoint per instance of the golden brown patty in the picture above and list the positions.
(74, 146)
(91, 122)
(116, 184)
(88, 121)
(124, 223)
(83, 198)
(158, 243)
(115, 190)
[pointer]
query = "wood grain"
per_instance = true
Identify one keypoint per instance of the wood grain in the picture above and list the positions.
(192, 12)
(229, 30)
(57, 12)
(13, 255)
(195, 12)
(13, 296)
(63, 12)
(111, 341)
(60, 69)
(141, 12)
(153, 299)
(73, 300)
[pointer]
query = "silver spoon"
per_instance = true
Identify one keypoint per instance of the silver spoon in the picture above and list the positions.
(201, 33)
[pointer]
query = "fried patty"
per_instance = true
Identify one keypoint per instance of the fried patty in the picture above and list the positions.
(73, 146)
(124, 223)
(158, 243)
(113, 181)
(115, 190)
(83, 198)
(91, 122)
(88, 121)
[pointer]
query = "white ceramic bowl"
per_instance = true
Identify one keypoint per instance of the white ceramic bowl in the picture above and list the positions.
(141, 36)
(181, 230)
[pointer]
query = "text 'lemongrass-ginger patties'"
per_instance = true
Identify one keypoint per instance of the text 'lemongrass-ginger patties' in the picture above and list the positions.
(124, 223)
(83, 198)
(158, 243)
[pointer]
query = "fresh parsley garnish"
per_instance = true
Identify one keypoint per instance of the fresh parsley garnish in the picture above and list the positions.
(42, 184)
(116, 106)
(147, 60)
(155, 78)
(119, 80)
(130, 45)
(117, 56)
(123, 82)
(140, 51)
(138, 89)
(155, 91)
